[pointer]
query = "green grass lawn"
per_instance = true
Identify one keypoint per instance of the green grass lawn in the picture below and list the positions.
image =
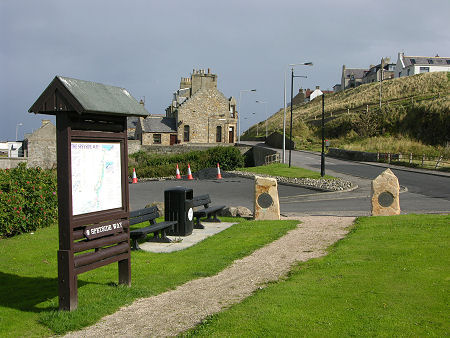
(28, 275)
(279, 169)
(389, 277)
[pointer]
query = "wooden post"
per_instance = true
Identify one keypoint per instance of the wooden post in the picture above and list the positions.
(423, 159)
(410, 158)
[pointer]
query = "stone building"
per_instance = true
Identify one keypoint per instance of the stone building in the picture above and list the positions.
(41, 146)
(352, 77)
(382, 71)
(199, 113)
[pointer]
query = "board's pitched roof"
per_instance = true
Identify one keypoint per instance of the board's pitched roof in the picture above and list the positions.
(89, 97)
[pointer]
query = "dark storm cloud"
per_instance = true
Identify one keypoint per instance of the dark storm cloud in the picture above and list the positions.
(146, 46)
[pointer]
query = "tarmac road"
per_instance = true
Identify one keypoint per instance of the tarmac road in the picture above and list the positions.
(424, 193)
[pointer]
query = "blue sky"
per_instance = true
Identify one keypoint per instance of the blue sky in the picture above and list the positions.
(147, 46)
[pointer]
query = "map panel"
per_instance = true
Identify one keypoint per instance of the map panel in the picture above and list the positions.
(96, 177)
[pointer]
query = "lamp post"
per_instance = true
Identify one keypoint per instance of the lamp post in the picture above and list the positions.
(239, 110)
(17, 128)
(322, 155)
(284, 116)
(292, 99)
(265, 102)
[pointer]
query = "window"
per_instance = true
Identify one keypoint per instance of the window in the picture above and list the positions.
(413, 61)
(219, 134)
(424, 69)
(399, 74)
(408, 71)
(430, 61)
(448, 62)
(186, 133)
(156, 138)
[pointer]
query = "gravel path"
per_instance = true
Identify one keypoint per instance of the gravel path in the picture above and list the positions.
(178, 310)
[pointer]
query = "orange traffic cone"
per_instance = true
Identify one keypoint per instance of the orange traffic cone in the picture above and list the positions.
(189, 173)
(178, 176)
(134, 176)
(219, 176)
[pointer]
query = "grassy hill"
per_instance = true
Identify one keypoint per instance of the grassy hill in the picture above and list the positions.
(415, 107)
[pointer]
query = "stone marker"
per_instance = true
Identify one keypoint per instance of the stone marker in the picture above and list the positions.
(385, 194)
(267, 204)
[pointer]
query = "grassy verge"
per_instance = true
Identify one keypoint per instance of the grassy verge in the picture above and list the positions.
(28, 274)
(279, 169)
(388, 277)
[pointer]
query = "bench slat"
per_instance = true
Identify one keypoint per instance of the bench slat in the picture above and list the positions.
(140, 219)
(151, 228)
(145, 211)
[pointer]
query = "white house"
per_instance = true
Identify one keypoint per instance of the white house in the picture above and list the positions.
(410, 65)
(315, 93)
(12, 148)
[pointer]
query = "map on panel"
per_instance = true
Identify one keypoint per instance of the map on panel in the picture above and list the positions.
(96, 177)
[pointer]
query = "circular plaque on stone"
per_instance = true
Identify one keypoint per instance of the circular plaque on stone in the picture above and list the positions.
(385, 199)
(265, 200)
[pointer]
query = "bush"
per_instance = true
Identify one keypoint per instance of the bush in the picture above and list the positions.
(28, 200)
(156, 165)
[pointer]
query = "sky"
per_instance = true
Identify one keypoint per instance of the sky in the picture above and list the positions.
(146, 46)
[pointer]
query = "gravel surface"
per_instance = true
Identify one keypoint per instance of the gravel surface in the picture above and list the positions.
(318, 184)
(175, 311)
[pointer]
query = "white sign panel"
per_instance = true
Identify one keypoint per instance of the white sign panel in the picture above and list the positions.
(96, 177)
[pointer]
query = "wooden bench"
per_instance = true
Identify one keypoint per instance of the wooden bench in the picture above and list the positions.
(207, 210)
(158, 229)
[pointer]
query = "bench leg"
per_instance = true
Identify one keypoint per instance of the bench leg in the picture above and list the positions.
(197, 224)
(214, 219)
(135, 244)
(160, 237)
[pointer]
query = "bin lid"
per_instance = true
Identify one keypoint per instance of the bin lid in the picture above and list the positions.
(179, 188)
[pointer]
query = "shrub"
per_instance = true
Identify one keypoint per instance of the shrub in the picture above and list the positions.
(156, 165)
(229, 158)
(28, 199)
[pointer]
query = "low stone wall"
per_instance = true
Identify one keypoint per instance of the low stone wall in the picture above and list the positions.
(362, 155)
(11, 162)
(352, 155)
(135, 146)
(276, 140)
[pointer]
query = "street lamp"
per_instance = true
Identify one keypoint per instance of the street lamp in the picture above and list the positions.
(284, 116)
(322, 155)
(239, 110)
(265, 102)
(17, 128)
(292, 99)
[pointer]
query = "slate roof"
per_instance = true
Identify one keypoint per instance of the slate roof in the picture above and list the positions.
(132, 122)
(159, 124)
(92, 97)
(358, 73)
(423, 60)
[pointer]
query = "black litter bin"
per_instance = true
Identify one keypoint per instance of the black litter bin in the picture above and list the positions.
(178, 206)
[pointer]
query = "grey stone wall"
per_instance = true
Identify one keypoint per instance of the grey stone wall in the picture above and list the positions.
(203, 112)
(11, 162)
(41, 147)
(276, 140)
(352, 155)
